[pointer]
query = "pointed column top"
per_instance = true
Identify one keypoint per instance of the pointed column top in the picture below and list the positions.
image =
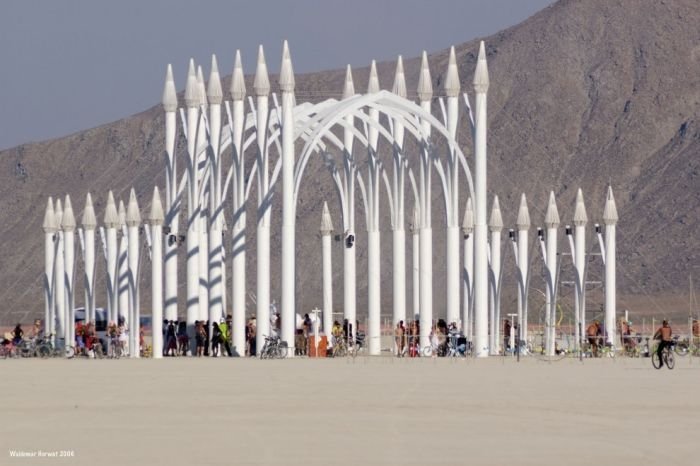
(57, 215)
(191, 88)
(610, 212)
(238, 80)
(156, 217)
(551, 217)
(201, 87)
(214, 92)
(326, 222)
(399, 87)
(373, 83)
(523, 221)
(133, 216)
(68, 219)
(468, 223)
(580, 217)
(111, 219)
(49, 224)
(286, 71)
(415, 221)
(481, 75)
(122, 213)
(496, 221)
(425, 82)
(169, 91)
(261, 83)
(349, 88)
(452, 79)
(89, 220)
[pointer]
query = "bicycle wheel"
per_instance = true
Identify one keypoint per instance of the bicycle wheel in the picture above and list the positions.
(43, 351)
(669, 359)
(69, 352)
(681, 348)
(281, 352)
(427, 351)
(655, 360)
(26, 350)
(99, 354)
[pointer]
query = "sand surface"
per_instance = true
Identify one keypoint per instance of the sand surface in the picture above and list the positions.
(357, 412)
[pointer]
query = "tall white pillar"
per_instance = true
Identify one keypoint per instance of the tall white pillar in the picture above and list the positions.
(373, 291)
(89, 222)
(59, 276)
(580, 221)
(215, 96)
(481, 86)
(452, 89)
(426, 234)
(415, 263)
(523, 224)
(610, 219)
(68, 225)
(123, 268)
(239, 245)
(111, 222)
(261, 87)
(172, 219)
(286, 82)
(156, 219)
(496, 225)
(468, 271)
(551, 221)
(192, 103)
(202, 202)
(133, 222)
(326, 230)
(49, 226)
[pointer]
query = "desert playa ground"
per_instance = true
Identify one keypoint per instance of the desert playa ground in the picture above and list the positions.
(344, 411)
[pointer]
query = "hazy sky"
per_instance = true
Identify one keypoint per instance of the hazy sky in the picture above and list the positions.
(73, 64)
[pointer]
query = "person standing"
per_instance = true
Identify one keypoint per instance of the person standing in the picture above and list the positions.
(400, 338)
(215, 340)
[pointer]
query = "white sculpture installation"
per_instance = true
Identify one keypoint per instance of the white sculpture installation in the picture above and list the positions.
(219, 133)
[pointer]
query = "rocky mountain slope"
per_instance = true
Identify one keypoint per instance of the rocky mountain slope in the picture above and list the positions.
(584, 93)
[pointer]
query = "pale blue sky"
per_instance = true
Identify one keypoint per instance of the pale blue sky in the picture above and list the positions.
(74, 64)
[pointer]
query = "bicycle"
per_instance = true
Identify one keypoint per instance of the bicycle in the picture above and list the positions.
(115, 348)
(274, 348)
(685, 347)
(8, 350)
(666, 357)
(47, 349)
(340, 347)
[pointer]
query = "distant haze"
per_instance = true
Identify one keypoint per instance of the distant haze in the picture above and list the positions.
(71, 65)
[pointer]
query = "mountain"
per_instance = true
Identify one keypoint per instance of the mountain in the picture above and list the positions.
(585, 93)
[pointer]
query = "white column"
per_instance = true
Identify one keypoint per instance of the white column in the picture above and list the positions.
(326, 230)
(133, 222)
(452, 88)
(286, 82)
(111, 223)
(415, 263)
(68, 225)
(373, 290)
(610, 219)
(481, 85)
(215, 96)
(523, 224)
(552, 223)
(238, 295)
(496, 225)
(49, 227)
(123, 268)
(192, 102)
(172, 218)
(89, 224)
(580, 221)
(468, 271)
(202, 202)
(156, 219)
(261, 87)
(426, 238)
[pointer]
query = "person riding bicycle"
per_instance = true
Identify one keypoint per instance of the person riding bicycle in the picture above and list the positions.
(628, 341)
(665, 334)
(593, 333)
